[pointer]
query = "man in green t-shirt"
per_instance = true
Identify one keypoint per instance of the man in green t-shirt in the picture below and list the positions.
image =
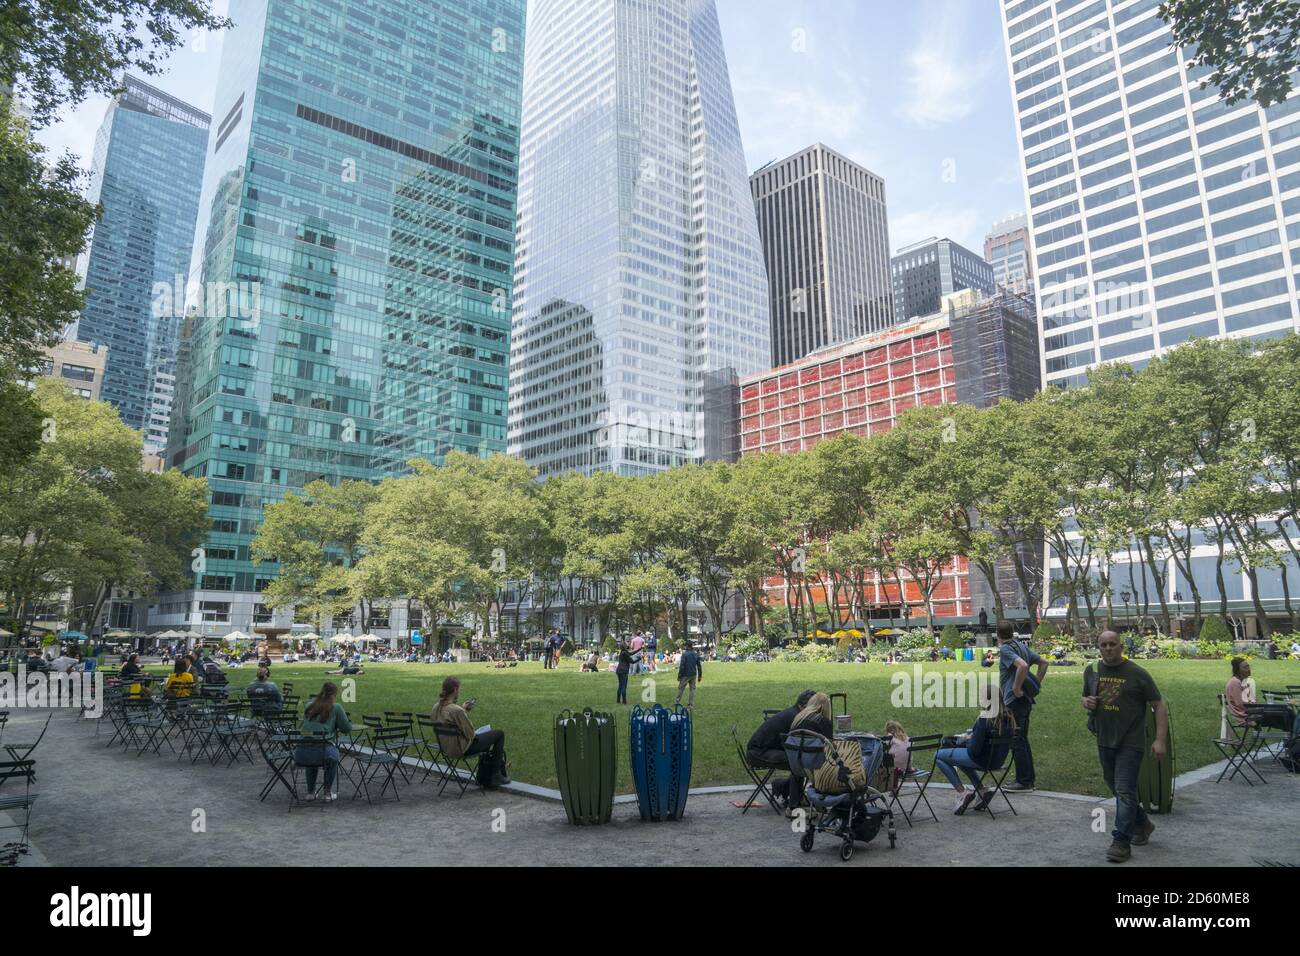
(1119, 703)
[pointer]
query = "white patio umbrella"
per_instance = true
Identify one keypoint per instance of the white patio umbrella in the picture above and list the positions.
(234, 637)
(168, 635)
(306, 637)
(4, 633)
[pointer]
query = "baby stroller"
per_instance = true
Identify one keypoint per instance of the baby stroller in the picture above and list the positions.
(856, 812)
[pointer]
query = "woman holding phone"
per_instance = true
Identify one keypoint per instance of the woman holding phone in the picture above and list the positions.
(463, 741)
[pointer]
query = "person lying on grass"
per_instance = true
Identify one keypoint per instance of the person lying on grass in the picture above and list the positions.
(349, 668)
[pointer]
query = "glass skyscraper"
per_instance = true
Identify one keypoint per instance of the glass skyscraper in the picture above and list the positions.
(147, 173)
(640, 290)
(354, 258)
(1158, 211)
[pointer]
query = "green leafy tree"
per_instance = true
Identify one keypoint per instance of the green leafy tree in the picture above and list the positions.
(1250, 47)
(1214, 631)
(79, 514)
(59, 51)
(21, 424)
(163, 517)
(44, 222)
(951, 638)
(314, 539)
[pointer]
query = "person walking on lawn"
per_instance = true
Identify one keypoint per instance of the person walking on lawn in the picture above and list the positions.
(689, 670)
(1019, 689)
(1119, 703)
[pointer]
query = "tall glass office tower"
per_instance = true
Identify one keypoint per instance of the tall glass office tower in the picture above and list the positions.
(354, 257)
(639, 282)
(147, 172)
(1158, 212)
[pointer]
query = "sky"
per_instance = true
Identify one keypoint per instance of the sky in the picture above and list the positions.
(915, 90)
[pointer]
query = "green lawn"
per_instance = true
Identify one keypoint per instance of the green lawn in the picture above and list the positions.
(524, 700)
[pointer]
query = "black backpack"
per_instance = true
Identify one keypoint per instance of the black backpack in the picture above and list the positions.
(1291, 758)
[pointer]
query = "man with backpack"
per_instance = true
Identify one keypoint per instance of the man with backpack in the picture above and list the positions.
(1117, 699)
(1019, 688)
(689, 670)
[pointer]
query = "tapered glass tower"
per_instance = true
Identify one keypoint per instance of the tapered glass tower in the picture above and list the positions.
(640, 288)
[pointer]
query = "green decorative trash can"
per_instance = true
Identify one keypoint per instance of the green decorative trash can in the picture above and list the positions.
(585, 758)
(1156, 780)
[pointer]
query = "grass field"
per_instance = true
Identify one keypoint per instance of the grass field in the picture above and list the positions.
(524, 700)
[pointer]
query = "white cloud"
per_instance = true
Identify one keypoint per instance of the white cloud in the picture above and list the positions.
(943, 78)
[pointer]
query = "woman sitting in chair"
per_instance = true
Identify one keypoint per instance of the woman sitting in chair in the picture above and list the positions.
(466, 743)
(976, 753)
(327, 717)
(181, 683)
(815, 716)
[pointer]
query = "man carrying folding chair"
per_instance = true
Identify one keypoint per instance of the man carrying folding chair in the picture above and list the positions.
(1118, 703)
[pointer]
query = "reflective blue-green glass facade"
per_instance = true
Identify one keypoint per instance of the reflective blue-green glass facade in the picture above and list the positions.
(146, 173)
(354, 253)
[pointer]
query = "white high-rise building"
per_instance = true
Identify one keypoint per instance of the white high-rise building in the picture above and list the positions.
(640, 291)
(1157, 211)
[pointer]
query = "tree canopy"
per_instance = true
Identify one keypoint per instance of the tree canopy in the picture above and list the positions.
(1251, 48)
(1131, 484)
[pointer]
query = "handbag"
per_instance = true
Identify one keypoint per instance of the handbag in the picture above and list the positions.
(826, 778)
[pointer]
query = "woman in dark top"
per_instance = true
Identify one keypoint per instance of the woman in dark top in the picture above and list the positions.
(816, 716)
(975, 752)
(131, 668)
(624, 665)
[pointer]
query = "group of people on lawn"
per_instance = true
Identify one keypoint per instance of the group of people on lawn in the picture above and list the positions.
(1116, 698)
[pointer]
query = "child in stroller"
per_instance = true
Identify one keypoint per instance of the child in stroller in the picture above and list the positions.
(842, 802)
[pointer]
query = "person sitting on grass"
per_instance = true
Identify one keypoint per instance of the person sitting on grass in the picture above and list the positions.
(324, 715)
(181, 683)
(975, 753)
(466, 742)
(592, 664)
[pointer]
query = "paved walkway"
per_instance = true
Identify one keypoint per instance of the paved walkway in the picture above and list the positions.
(104, 807)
